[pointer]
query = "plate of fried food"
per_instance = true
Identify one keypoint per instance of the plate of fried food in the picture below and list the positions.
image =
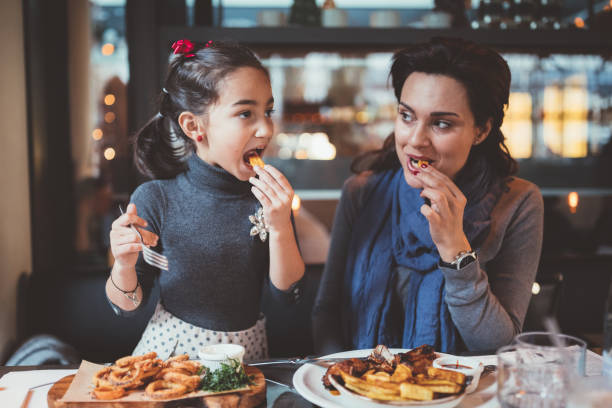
(382, 377)
(160, 379)
(148, 378)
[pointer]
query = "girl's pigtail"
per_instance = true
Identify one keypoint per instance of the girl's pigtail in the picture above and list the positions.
(158, 154)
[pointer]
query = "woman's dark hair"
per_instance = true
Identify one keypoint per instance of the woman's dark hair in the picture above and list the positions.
(192, 84)
(486, 78)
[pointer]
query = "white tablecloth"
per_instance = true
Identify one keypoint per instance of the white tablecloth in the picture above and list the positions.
(17, 384)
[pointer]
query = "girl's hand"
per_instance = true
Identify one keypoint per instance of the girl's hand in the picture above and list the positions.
(125, 244)
(275, 195)
(445, 213)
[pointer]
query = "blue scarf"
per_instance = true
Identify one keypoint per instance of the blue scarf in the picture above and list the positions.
(389, 232)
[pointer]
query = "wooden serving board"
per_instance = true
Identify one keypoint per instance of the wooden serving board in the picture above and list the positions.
(247, 399)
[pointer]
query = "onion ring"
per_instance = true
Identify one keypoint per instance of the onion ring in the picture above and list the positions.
(101, 377)
(193, 367)
(131, 360)
(163, 379)
(161, 389)
(150, 368)
(125, 377)
(164, 371)
(108, 393)
(180, 357)
(190, 381)
(137, 384)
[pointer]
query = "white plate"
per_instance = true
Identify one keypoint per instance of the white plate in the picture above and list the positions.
(307, 381)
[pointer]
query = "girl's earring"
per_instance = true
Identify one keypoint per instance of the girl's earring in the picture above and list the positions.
(200, 138)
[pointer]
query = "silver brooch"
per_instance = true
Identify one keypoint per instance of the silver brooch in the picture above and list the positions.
(259, 225)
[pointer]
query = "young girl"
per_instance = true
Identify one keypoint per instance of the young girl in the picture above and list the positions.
(214, 115)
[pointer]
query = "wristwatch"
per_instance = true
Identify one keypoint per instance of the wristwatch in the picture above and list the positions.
(463, 259)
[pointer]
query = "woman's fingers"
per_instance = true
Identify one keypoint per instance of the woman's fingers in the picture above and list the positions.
(438, 199)
(434, 178)
(430, 214)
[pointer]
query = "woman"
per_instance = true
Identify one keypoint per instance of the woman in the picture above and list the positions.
(434, 242)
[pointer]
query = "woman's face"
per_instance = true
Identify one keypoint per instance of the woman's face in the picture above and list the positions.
(239, 123)
(434, 124)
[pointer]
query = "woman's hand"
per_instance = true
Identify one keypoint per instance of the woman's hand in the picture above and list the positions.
(125, 243)
(445, 213)
(275, 194)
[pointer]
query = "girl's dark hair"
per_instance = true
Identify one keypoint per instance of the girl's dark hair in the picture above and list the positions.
(192, 84)
(486, 78)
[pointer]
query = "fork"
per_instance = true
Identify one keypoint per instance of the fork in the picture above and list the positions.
(150, 256)
(323, 362)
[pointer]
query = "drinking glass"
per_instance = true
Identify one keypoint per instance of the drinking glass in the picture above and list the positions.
(530, 378)
(590, 392)
(545, 346)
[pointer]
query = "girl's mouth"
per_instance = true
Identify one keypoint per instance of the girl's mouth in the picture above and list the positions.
(415, 164)
(253, 157)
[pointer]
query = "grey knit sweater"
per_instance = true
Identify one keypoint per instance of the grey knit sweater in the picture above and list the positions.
(487, 299)
(216, 268)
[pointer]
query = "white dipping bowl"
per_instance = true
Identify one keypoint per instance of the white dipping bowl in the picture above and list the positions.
(466, 365)
(212, 356)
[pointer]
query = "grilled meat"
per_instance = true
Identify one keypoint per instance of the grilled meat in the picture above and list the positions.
(354, 366)
(381, 359)
(418, 359)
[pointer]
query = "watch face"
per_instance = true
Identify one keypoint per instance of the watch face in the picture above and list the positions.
(468, 259)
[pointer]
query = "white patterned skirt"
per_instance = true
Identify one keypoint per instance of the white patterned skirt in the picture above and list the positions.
(167, 335)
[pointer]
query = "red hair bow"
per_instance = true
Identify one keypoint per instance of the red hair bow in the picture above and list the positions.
(184, 47)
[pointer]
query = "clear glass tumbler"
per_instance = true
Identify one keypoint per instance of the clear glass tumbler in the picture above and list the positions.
(531, 376)
(545, 346)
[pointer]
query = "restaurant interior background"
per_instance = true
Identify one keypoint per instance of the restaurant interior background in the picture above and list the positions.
(80, 76)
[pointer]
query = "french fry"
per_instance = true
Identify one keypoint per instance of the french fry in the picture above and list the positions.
(415, 392)
(372, 389)
(374, 392)
(371, 386)
(255, 160)
(440, 374)
(401, 374)
(440, 386)
(412, 379)
(379, 376)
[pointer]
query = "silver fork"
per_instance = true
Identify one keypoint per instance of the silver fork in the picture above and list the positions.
(323, 362)
(150, 256)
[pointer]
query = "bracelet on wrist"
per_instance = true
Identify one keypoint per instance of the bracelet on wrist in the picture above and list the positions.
(130, 294)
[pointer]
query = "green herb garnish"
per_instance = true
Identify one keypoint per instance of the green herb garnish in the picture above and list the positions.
(227, 377)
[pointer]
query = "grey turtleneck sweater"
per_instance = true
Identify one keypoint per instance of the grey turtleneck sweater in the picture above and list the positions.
(216, 268)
